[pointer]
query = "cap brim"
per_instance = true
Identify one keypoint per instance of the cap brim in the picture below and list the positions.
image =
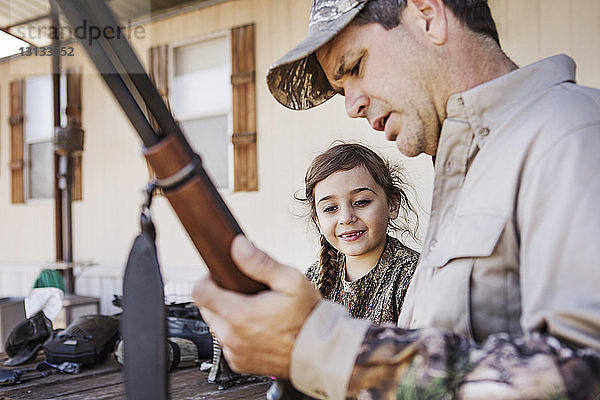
(297, 80)
(23, 355)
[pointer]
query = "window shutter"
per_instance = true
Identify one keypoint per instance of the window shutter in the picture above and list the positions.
(158, 69)
(244, 108)
(17, 142)
(73, 112)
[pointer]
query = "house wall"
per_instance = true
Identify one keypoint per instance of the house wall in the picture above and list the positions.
(105, 222)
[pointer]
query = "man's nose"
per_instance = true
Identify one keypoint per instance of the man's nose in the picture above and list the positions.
(357, 102)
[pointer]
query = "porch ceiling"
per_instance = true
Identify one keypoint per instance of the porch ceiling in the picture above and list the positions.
(29, 19)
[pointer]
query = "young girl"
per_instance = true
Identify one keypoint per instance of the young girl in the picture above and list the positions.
(355, 198)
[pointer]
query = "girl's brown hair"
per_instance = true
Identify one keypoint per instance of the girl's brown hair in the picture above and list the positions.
(344, 157)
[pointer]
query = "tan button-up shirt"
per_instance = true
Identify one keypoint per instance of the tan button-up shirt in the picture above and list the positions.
(514, 222)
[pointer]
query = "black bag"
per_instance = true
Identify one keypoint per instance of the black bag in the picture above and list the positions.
(27, 338)
(188, 336)
(86, 341)
(194, 330)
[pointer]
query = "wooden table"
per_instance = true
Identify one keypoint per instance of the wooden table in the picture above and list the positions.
(106, 381)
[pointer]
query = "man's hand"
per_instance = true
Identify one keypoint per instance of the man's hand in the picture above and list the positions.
(258, 331)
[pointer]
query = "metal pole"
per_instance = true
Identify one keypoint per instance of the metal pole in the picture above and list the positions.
(64, 172)
(56, 97)
(65, 179)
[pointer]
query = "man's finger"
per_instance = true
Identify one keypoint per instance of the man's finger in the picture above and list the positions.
(208, 316)
(260, 266)
(207, 294)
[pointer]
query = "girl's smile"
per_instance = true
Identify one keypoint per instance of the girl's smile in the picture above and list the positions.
(351, 236)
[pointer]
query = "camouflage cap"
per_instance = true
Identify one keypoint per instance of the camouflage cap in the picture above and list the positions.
(297, 80)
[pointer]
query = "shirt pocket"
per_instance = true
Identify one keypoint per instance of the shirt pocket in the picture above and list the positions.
(466, 236)
(447, 270)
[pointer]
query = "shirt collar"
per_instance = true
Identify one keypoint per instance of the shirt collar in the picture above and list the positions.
(490, 101)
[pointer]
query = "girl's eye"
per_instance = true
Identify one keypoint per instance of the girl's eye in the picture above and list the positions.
(329, 209)
(362, 203)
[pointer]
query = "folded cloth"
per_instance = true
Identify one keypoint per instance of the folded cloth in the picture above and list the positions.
(47, 299)
(46, 295)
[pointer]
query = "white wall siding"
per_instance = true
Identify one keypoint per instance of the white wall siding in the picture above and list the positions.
(102, 281)
(533, 29)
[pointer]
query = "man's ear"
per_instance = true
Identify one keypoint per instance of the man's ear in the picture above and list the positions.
(431, 18)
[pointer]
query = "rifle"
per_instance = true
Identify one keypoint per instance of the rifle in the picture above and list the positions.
(194, 198)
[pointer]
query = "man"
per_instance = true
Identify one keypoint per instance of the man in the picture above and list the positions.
(504, 302)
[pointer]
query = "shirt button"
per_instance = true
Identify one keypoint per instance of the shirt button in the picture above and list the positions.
(451, 210)
(448, 166)
(484, 131)
(460, 101)
(432, 244)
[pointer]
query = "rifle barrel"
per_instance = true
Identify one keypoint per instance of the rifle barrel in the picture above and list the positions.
(115, 80)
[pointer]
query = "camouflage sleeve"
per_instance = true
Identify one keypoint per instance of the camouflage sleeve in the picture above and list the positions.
(395, 363)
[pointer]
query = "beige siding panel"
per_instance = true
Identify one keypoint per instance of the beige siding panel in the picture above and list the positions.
(522, 42)
(586, 41)
(500, 14)
(555, 27)
(534, 29)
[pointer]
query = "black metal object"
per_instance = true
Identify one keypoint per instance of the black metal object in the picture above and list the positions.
(68, 140)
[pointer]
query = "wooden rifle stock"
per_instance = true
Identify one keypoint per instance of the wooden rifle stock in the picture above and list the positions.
(201, 214)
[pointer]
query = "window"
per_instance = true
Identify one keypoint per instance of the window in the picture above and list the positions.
(32, 133)
(212, 95)
(39, 132)
(201, 102)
